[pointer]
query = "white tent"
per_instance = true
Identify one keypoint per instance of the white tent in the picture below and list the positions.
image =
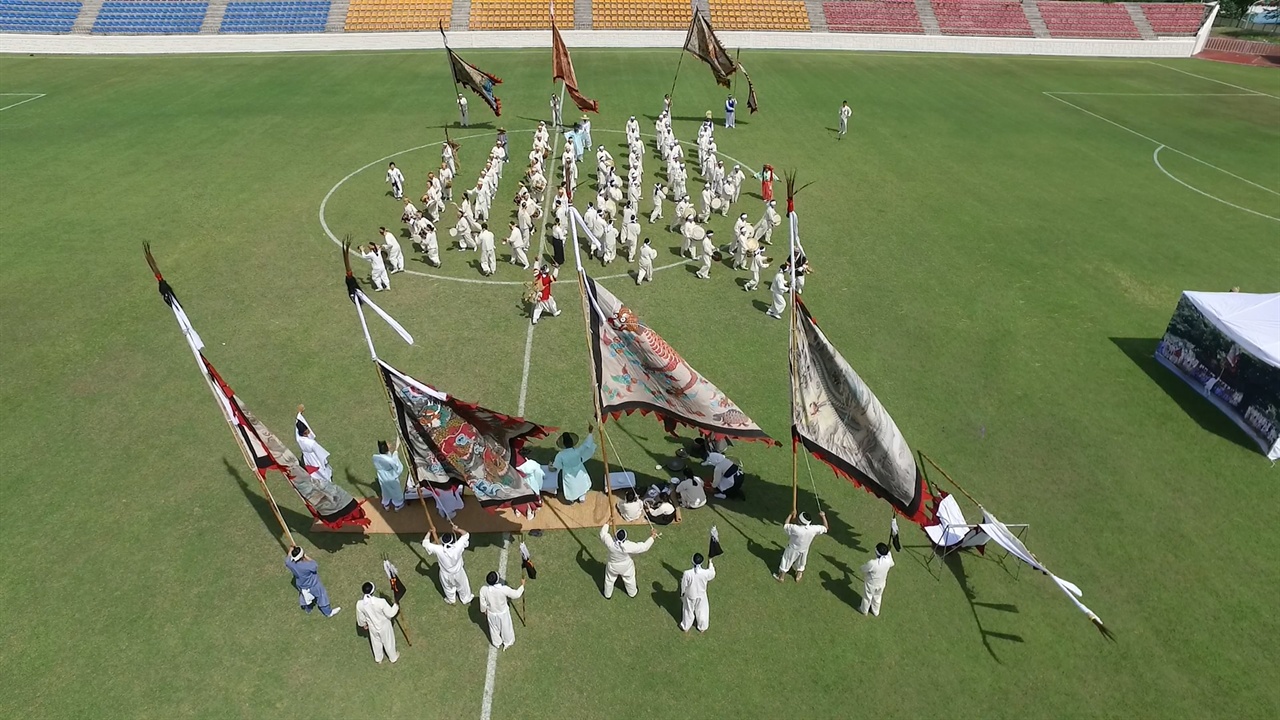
(1227, 345)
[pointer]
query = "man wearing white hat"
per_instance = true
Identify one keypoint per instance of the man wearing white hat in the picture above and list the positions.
(708, 249)
(462, 108)
(768, 223)
(696, 606)
(585, 126)
(647, 256)
(374, 615)
(306, 578)
(875, 573)
(488, 253)
(493, 603)
(395, 256)
(779, 288)
(619, 563)
(659, 194)
(799, 538)
(453, 576)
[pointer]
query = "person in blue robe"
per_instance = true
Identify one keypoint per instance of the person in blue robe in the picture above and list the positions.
(570, 461)
(389, 468)
(306, 578)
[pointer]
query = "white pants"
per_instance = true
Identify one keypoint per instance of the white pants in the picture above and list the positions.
(779, 304)
(844, 125)
(518, 257)
(456, 586)
(397, 190)
(548, 306)
(871, 599)
(501, 632)
(695, 610)
(383, 642)
(644, 273)
(656, 215)
(628, 581)
(792, 558)
(705, 271)
(433, 254)
(381, 279)
(754, 282)
(488, 260)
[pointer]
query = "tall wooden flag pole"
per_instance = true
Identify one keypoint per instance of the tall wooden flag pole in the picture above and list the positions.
(595, 379)
(193, 340)
(449, 59)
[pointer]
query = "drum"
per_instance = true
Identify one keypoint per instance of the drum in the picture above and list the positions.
(615, 194)
(698, 233)
(751, 245)
(453, 232)
(716, 204)
(610, 207)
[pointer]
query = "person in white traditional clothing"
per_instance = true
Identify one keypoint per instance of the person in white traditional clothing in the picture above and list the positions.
(620, 563)
(803, 270)
(630, 231)
(430, 244)
(409, 212)
(690, 230)
(446, 180)
(684, 212)
(555, 111)
(488, 252)
(696, 606)
(644, 271)
(610, 240)
(779, 288)
(449, 158)
(464, 229)
(845, 112)
(374, 615)
(733, 183)
(543, 278)
(493, 603)
(462, 108)
(377, 268)
(575, 481)
(708, 250)
(448, 553)
(740, 224)
(396, 178)
(799, 538)
(730, 112)
(689, 490)
(768, 223)
(517, 242)
(758, 263)
(633, 129)
(742, 244)
(659, 195)
(707, 197)
(630, 508)
(585, 129)
(558, 237)
(313, 453)
(395, 256)
(875, 573)
(726, 476)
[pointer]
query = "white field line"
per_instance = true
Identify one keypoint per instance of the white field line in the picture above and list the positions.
(1156, 158)
(491, 666)
(1161, 145)
(29, 96)
(1243, 94)
(1251, 91)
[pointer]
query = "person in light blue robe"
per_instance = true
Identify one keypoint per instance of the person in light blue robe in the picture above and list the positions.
(389, 468)
(570, 461)
(306, 577)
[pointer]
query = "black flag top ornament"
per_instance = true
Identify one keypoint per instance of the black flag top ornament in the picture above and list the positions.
(393, 577)
(714, 549)
(526, 562)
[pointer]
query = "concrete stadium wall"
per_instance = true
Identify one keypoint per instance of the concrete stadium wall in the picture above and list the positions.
(195, 44)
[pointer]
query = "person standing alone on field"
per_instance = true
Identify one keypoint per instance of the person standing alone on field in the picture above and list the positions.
(374, 615)
(875, 573)
(696, 607)
(306, 578)
(730, 111)
(462, 108)
(845, 112)
(556, 120)
(396, 178)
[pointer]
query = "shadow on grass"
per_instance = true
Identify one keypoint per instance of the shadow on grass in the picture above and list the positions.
(842, 588)
(1142, 352)
(668, 600)
(955, 564)
(298, 523)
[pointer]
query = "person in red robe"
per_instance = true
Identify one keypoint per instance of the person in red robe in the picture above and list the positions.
(766, 178)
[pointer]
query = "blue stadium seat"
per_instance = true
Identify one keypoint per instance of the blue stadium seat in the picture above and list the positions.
(31, 16)
(127, 17)
(276, 17)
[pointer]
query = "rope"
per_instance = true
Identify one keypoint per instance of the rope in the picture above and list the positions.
(812, 484)
(612, 447)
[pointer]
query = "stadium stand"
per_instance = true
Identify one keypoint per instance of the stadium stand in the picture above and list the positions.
(38, 17)
(391, 15)
(519, 14)
(878, 16)
(981, 17)
(1066, 19)
(641, 15)
(126, 17)
(759, 15)
(301, 16)
(1174, 18)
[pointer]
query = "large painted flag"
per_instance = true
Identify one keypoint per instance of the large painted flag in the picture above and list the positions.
(638, 370)
(702, 43)
(473, 78)
(752, 103)
(562, 69)
(326, 501)
(454, 443)
(842, 423)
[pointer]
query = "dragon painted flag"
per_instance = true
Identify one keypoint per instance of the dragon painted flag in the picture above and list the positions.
(562, 69)
(452, 443)
(842, 423)
(702, 43)
(327, 502)
(637, 370)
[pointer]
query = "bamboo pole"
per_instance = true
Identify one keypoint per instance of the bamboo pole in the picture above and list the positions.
(948, 477)
(791, 353)
(413, 468)
(275, 509)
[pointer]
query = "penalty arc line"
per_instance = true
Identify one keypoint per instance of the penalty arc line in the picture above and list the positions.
(1156, 158)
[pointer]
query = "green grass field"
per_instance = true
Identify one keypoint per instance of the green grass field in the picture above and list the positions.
(997, 264)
